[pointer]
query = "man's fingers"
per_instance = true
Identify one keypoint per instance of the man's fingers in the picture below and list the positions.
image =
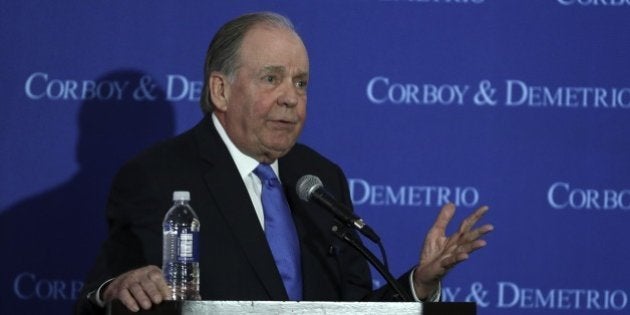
(160, 283)
(463, 251)
(445, 216)
(477, 245)
(450, 261)
(137, 290)
(458, 253)
(152, 291)
(478, 233)
(472, 219)
(125, 297)
(443, 252)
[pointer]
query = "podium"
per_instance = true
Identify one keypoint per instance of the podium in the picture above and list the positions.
(302, 308)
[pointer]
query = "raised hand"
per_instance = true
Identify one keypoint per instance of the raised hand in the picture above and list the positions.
(441, 253)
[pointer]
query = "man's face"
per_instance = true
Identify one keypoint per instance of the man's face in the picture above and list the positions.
(265, 104)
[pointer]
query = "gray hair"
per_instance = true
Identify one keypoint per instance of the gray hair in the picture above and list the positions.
(223, 52)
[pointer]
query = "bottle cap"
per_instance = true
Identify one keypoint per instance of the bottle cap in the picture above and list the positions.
(181, 195)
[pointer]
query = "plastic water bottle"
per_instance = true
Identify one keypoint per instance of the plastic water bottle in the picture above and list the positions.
(180, 252)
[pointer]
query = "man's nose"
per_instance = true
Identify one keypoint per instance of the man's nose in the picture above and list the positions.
(290, 96)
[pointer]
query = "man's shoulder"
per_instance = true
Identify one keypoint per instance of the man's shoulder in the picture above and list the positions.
(163, 162)
(177, 152)
(301, 153)
(175, 147)
(304, 160)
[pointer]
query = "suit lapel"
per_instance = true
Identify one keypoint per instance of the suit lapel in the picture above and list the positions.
(233, 202)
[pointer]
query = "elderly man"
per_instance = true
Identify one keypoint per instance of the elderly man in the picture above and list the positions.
(254, 98)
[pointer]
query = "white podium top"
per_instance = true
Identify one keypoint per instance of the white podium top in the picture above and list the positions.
(306, 308)
(310, 308)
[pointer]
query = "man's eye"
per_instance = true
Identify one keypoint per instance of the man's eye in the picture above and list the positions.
(270, 78)
(301, 84)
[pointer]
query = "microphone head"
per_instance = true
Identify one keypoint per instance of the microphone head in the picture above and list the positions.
(306, 185)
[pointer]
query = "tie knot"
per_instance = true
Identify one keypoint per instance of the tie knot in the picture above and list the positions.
(265, 173)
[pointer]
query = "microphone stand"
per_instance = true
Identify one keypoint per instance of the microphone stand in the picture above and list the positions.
(345, 235)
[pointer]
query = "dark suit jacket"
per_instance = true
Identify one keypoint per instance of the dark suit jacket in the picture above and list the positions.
(235, 261)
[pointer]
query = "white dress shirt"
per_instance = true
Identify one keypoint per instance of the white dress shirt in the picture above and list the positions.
(246, 165)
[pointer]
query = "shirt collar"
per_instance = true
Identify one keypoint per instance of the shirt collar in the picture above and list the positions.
(244, 163)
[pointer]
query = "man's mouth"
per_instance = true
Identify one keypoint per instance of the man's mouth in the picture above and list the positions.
(282, 123)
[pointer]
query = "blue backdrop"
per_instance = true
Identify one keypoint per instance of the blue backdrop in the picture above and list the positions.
(520, 105)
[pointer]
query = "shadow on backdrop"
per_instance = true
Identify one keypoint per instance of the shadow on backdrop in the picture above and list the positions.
(50, 240)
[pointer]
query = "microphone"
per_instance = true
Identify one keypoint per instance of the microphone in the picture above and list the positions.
(310, 187)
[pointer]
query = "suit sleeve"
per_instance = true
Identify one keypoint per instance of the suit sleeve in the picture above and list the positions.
(134, 220)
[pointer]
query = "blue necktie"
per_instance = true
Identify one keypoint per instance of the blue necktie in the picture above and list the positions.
(280, 232)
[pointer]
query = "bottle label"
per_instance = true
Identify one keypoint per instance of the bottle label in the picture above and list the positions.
(185, 247)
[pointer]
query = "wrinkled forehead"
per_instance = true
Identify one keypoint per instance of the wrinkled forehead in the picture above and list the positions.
(268, 43)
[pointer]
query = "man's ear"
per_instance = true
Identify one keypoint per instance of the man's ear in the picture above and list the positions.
(219, 88)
